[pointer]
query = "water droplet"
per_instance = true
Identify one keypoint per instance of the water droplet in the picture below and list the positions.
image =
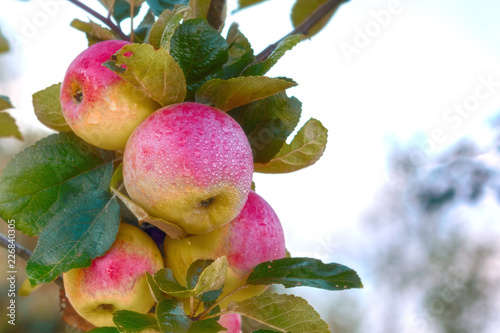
(182, 142)
(205, 160)
(197, 153)
(225, 128)
(262, 222)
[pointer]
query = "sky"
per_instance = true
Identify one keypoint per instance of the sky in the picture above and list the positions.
(412, 71)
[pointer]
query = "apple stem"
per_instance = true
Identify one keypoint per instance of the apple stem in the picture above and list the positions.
(303, 28)
(103, 19)
(23, 252)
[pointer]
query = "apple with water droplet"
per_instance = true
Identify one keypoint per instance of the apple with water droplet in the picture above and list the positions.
(190, 164)
(116, 280)
(253, 237)
(99, 106)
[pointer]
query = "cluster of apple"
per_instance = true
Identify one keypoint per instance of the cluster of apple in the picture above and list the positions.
(189, 164)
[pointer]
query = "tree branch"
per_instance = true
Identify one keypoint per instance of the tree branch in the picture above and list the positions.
(101, 18)
(24, 253)
(304, 27)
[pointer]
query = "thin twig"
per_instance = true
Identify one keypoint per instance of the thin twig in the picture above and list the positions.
(132, 4)
(103, 19)
(304, 27)
(24, 253)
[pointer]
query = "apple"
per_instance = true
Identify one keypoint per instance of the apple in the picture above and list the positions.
(116, 280)
(99, 106)
(254, 236)
(231, 321)
(190, 164)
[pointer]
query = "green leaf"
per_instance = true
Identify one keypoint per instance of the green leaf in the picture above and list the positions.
(117, 177)
(8, 127)
(200, 51)
(302, 9)
(83, 230)
(171, 317)
(153, 71)
(206, 326)
(172, 230)
(158, 6)
(214, 11)
(5, 103)
(39, 182)
(166, 281)
(305, 272)
(120, 9)
(229, 94)
(267, 123)
(155, 290)
(4, 44)
(95, 33)
(247, 3)
(305, 149)
(163, 29)
(104, 330)
(133, 322)
(263, 67)
(212, 278)
(193, 275)
(240, 53)
(283, 313)
(47, 105)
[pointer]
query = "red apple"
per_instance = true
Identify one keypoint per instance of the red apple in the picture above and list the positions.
(116, 280)
(189, 164)
(254, 236)
(98, 105)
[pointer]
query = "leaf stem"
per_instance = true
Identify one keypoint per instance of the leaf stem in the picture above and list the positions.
(303, 28)
(103, 19)
(24, 253)
(204, 313)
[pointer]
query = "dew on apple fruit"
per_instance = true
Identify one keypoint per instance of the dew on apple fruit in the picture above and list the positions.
(197, 153)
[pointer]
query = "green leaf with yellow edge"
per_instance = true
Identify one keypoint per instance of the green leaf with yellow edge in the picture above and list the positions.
(153, 71)
(302, 9)
(95, 33)
(240, 52)
(304, 272)
(163, 29)
(171, 317)
(132, 322)
(229, 94)
(47, 105)
(305, 149)
(8, 127)
(212, 278)
(263, 67)
(282, 313)
(5, 103)
(268, 123)
(200, 51)
(155, 290)
(142, 216)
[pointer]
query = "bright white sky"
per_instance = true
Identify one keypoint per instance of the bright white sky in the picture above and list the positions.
(405, 78)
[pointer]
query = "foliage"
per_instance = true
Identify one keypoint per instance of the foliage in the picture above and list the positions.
(65, 191)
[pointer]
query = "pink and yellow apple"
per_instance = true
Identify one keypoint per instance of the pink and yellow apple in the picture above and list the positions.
(190, 164)
(254, 236)
(231, 322)
(98, 105)
(116, 280)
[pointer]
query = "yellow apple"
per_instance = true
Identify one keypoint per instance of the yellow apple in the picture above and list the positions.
(116, 280)
(254, 236)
